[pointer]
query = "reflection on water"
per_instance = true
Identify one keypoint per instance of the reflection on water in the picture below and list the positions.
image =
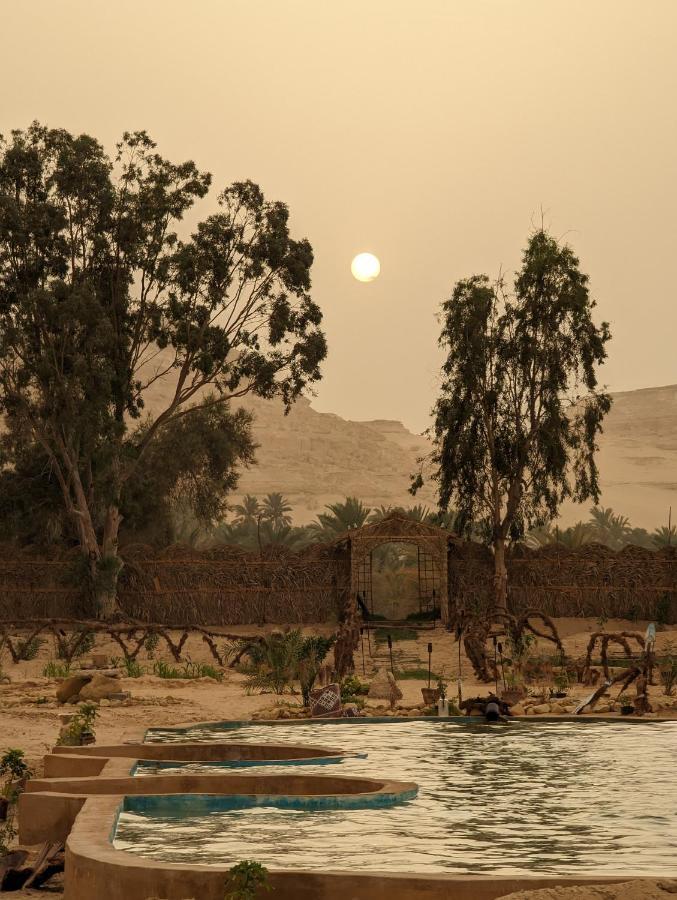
(519, 799)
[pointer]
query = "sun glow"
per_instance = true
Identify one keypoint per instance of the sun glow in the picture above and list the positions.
(365, 267)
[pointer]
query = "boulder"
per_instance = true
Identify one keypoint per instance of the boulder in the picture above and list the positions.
(99, 687)
(517, 710)
(541, 709)
(71, 687)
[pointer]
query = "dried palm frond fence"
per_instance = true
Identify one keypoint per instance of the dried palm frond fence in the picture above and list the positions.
(226, 585)
(632, 583)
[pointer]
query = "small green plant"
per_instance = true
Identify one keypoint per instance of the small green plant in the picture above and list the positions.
(351, 686)
(28, 648)
(163, 670)
(132, 668)
(55, 669)
(442, 687)
(246, 880)
(14, 771)
(77, 644)
(13, 768)
(200, 670)
(81, 724)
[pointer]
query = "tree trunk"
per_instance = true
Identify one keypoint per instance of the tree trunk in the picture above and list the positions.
(500, 577)
(108, 567)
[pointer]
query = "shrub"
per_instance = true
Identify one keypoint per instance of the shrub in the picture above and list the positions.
(82, 723)
(28, 648)
(246, 880)
(75, 645)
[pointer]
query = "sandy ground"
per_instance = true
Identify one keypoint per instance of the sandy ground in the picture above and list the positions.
(29, 713)
(642, 889)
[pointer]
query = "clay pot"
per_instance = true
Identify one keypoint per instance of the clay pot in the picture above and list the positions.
(430, 695)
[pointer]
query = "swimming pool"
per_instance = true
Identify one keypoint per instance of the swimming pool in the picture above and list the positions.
(521, 799)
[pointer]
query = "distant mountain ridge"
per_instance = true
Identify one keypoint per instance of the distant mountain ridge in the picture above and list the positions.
(316, 458)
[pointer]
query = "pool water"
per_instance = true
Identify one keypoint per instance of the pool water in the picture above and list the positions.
(563, 798)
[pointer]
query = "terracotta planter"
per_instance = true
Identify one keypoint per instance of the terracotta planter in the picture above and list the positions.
(430, 695)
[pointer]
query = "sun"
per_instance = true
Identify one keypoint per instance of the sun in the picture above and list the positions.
(365, 267)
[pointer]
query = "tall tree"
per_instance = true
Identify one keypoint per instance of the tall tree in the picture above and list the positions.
(517, 418)
(100, 300)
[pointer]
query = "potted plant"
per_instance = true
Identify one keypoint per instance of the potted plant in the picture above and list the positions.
(627, 707)
(430, 695)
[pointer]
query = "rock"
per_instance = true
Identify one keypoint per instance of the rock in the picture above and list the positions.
(385, 687)
(71, 687)
(100, 660)
(541, 709)
(99, 687)
(601, 709)
(380, 686)
(517, 710)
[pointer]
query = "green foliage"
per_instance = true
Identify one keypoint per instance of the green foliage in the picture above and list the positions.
(13, 768)
(247, 880)
(76, 644)
(281, 658)
(163, 669)
(352, 686)
(132, 668)
(82, 723)
(340, 518)
(397, 634)
(14, 772)
(100, 301)
(189, 670)
(28, 648)
(55, 669)
(419, 674)
(519, 412)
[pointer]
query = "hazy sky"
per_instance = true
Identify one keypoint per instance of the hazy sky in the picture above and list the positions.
(430, 132)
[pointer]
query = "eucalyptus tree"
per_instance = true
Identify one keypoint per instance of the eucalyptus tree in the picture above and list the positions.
(519, 409)
(102, 302)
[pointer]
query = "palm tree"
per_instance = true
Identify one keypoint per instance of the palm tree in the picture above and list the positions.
(664, 536)
(248, 512)
(610, 529)
(275, 508)
(576, 535)
(380, 513)
(352, 513)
